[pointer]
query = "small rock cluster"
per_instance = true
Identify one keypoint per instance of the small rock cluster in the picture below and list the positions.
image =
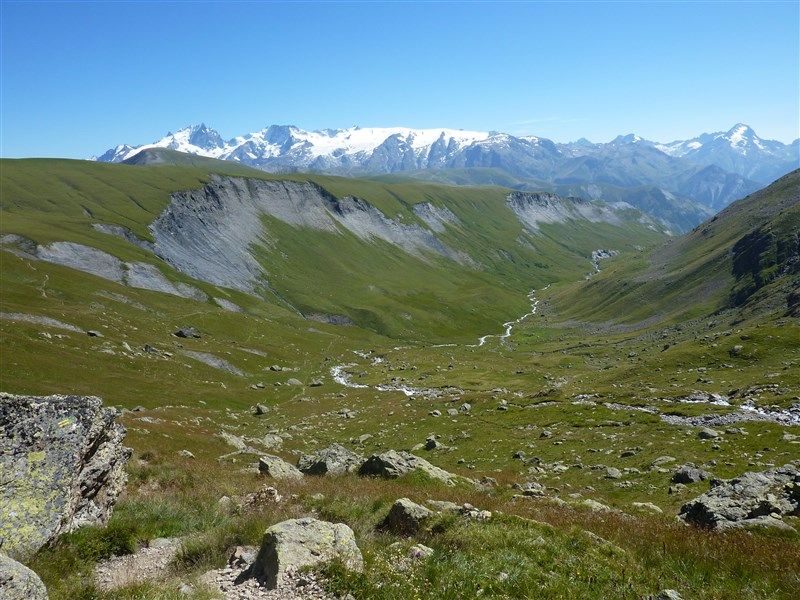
(752, 499)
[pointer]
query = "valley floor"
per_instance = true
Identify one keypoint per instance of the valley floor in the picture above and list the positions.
(600, 421)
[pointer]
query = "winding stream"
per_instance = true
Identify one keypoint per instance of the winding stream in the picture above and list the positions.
(340, 375)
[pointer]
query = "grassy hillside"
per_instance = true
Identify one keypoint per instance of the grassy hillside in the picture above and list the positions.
(374, 283)
(593, 380)
(724, 262)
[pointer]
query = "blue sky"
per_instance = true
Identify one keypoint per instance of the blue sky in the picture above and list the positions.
(78, 78)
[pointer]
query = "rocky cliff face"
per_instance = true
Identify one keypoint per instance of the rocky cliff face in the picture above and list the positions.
(208, 233)
(62, 466)
(532, 209)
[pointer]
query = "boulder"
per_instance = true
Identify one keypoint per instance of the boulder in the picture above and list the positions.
(62, 463)
(187, 332)
(305, 542)
(277, 468)
(406, 517)
(706, 433)
(393, 464)
(333, 460)
(752, 499)
(667, 595)
(531, 488)
(420, 552)
(18, 582)
(689, 473)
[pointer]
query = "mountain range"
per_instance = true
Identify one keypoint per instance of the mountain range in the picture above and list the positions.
(680, 183)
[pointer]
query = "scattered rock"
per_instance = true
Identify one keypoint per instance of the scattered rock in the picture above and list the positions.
(648, 507)
(333, 460)
(187, 332)
(260, 409)
(145, 565)
(293, 381)
(305, 542)
(420, 552)
(406, 517)
(185, 454)
(613, 473)
(752, 499)
(393, 464)
(266, 495)
(531, 488)
(667, 595)
(242, 556)
(277, 468)
(595, 506)
(706, 433)
(271, 441)
(431, 443)
(689, 473)
(63, 466)
(444, 506)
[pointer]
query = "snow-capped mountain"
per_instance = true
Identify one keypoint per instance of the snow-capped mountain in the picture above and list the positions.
(741, 161)
(738, 150)
(280, 147)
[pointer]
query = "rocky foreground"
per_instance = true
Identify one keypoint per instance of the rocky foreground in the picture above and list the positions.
(63, 466)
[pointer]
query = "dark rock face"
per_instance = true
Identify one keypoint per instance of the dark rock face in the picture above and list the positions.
(62, 466)
(752, 499)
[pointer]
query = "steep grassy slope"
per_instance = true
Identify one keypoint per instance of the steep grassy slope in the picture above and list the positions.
(331, 269)
(677, 212)
(752, 244)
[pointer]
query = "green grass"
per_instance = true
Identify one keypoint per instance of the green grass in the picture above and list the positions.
(619, 336)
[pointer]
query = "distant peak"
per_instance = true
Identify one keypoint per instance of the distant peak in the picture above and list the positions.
(630, 138)
(741, 129)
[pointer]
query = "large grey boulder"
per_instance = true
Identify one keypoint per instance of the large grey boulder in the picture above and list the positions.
(752, 499)
(333, 460)
(277, 468)
(18, 582)
(406, 517)
(62, 466)
(393, 464)
(303, 542)
(689, 473)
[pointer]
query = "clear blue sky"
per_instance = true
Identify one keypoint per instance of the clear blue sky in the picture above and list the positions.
(78, 78)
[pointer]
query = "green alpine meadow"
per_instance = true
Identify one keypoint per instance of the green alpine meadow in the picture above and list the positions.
(399, 301)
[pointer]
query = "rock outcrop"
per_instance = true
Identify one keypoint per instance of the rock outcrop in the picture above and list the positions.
(18, 582)
(277, 468)
(300, 543)
(406, 517)
(393, 464)
(752, 499)
(333, 460)
(62, 466)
